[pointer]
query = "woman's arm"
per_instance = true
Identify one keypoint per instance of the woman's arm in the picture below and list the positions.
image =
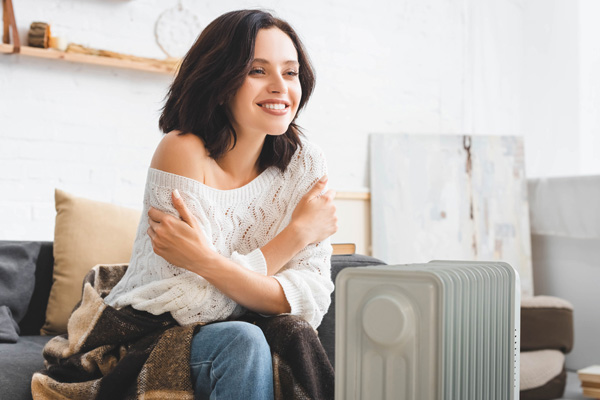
(306, 281)
(245, 279)
(313, 220)
(182, 243)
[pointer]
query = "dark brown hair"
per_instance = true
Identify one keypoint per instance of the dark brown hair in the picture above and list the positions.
(210, 75)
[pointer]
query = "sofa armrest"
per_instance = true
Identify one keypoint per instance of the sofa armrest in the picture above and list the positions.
(546, 324)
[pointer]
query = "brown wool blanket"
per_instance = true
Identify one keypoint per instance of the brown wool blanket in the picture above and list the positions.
(130, 354)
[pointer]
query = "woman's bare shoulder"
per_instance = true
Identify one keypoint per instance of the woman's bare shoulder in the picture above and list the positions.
(183, 155)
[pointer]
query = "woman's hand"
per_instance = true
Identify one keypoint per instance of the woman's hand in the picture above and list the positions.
(314, 216)
(180, 241)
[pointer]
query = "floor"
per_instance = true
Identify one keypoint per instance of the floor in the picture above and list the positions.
(573, 390)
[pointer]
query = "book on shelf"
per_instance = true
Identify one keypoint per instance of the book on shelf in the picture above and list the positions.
(589, 374)
(590, 381)
(590, 392)
(343, 248)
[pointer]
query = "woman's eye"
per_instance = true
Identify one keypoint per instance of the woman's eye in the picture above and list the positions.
(256, 71)
(292, 73)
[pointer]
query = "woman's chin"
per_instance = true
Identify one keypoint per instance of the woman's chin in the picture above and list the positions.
(277, 132)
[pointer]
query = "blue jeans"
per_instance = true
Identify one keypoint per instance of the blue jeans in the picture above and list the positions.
(231, 360)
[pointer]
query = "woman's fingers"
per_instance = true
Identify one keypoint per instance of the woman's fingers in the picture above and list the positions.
(317, 188)
(161, 225)
(182, 209)
(179, 205)
(330, 194)
(180, 241)
(153, 224)
(155, 215)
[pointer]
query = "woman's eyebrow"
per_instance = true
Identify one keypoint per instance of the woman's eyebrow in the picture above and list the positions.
(264, 61)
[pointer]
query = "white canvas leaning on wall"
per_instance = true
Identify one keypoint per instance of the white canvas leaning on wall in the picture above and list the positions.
(450, 197)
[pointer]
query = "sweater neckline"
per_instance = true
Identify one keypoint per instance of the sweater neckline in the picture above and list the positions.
(255, 186)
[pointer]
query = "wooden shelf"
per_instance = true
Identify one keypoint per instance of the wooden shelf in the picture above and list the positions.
(366, 196)
(147, 65)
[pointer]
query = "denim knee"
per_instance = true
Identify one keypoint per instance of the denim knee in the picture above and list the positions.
(236, 337)
(247, 339)
(229, 358)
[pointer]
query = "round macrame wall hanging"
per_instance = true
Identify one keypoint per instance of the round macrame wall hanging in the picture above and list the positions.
(175, 30)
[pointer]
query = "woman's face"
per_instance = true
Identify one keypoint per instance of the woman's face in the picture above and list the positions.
(268, 99)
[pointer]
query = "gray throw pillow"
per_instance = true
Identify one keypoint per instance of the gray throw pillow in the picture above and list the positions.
(9, 329)
(17, 280)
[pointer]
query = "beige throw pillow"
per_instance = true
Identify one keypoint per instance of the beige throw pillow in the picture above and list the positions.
(87, 233)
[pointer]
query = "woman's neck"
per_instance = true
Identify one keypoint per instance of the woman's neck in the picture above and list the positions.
(239, 166)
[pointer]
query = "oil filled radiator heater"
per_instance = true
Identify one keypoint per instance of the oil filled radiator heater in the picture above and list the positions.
(445, 330)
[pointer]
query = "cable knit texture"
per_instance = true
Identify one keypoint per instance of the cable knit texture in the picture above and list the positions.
(237, 223)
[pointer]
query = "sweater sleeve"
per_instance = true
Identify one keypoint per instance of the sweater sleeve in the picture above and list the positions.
(254, 261)
(306, 278)
(152, 284)
(306, 282)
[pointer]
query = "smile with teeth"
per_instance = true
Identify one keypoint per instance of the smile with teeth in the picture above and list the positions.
(272, 106)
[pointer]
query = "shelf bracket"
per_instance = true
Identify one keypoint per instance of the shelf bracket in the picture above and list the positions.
(8, 18)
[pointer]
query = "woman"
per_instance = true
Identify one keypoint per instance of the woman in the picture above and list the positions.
(237, 215)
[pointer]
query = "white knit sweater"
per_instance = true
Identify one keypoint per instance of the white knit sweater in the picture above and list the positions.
(237, 223)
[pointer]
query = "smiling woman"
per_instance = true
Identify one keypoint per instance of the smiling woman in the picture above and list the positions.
(214, 71)
(238, 218)
(267, 102)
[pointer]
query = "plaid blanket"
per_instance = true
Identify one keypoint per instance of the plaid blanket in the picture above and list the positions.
(129, 354)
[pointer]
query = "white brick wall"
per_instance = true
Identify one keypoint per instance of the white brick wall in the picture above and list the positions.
(432, 66)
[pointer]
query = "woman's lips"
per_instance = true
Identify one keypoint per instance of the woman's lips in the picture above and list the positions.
(274, 108)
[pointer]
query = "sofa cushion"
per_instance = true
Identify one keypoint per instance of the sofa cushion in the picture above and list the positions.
(546, 323)
(17, 278)
(32, 322)
(327, 328)
(18, 362)
(542, 375)
(9, 329)
(86, 233)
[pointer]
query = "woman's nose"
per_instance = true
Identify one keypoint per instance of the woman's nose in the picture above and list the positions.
(277, 85)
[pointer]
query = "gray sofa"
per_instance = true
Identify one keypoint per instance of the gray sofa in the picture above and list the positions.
(26, 273)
